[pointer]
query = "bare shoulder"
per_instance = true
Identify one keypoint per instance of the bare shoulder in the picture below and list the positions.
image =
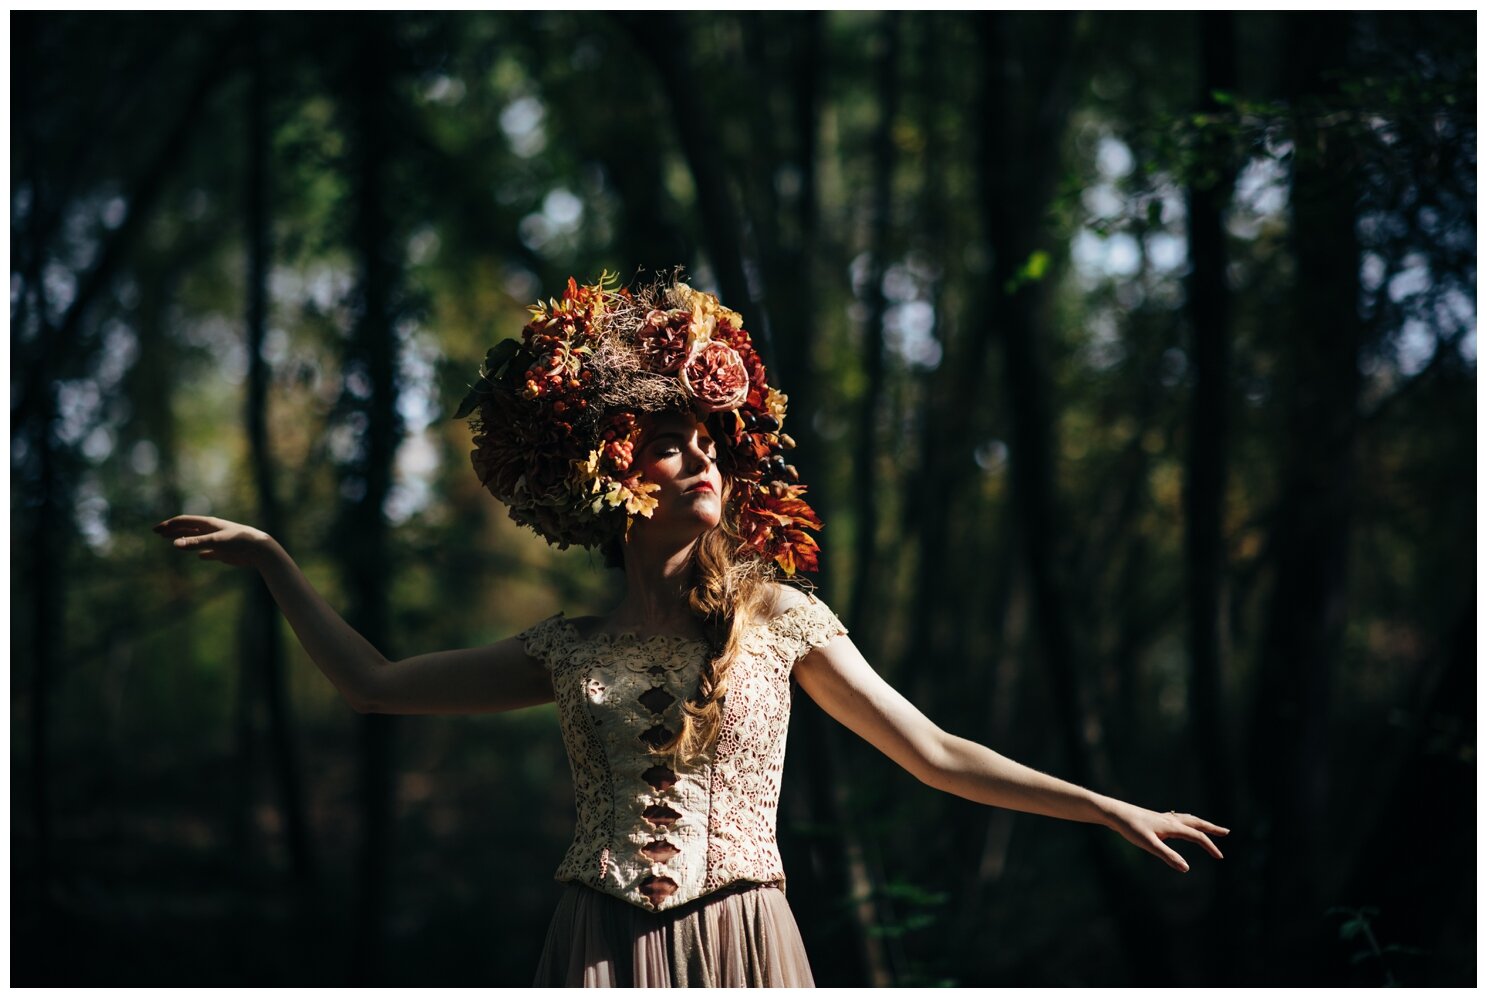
(784, 598)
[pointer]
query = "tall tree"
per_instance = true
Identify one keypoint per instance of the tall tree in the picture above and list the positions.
(1209, 191)
(1312, 522)
(263, 666)
(865, 486)
(370, 404)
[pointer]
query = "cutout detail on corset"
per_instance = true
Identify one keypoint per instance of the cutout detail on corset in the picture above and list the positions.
(655, 736)
(657, 889)
(660, 815)
(660, 778)
(656, 699)
(659, 851)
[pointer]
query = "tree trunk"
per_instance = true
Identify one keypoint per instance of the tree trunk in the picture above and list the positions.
(861, 607)
(1309, 541)
(41, 488)
(266, 647)
(371, 390)
(1207, 471)
(1208, 449)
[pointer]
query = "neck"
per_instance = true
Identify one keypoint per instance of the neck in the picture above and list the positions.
(657, 577)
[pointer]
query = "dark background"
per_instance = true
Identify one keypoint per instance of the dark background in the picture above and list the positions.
(1133, 363)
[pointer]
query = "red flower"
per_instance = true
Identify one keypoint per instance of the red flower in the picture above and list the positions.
(662, 338)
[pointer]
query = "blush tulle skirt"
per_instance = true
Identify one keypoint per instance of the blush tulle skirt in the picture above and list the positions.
(742, 936)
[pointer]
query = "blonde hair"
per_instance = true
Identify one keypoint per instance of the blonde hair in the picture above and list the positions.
(729, 594)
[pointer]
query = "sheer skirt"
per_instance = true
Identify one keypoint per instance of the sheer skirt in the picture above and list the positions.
(741, 936)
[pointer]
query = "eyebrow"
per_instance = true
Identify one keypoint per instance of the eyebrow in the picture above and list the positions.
(679, 437)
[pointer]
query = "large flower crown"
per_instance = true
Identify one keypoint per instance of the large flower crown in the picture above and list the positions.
(555, 416)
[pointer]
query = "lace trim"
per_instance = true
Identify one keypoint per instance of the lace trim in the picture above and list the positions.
(806, 626)
(543, 639)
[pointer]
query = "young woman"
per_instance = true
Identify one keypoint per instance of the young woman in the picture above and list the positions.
(643, 424)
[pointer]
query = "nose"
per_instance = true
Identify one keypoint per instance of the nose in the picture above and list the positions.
(697, 457)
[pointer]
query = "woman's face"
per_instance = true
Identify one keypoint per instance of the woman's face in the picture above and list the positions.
(678, 454)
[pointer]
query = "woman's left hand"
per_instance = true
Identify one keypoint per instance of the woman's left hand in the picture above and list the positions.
(1149, 829)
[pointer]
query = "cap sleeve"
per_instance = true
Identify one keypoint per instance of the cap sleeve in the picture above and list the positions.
(544, 640)
(804, 626)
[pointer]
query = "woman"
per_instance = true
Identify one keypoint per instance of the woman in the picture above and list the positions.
(643, 424)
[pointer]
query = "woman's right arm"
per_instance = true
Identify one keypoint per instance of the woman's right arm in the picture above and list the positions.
(474, 680)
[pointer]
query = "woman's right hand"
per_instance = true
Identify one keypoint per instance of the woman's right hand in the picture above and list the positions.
(216, 539)
(497, 677)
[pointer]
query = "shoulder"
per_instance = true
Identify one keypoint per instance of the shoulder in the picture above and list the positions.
(783, 598)
(548, 638)
(800, 621)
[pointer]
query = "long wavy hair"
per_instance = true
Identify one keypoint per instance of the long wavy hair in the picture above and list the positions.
(729, 594)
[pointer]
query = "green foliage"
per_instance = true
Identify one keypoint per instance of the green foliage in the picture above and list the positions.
(1357, 929)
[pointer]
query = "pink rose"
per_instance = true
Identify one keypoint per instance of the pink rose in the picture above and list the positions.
(716, 377)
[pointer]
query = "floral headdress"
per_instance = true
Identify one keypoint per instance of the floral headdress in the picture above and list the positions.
(555, 416)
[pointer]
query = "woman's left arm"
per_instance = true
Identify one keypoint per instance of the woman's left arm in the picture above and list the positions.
(842, 682)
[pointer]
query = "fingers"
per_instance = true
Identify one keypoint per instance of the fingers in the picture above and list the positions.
(185, 526)
(1199, 827)
(1208, 826)
(196, 540)
(1193, 835)
(1160, 849)
(1194, 829)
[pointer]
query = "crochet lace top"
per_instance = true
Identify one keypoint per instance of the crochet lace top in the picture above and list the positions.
(651, 830)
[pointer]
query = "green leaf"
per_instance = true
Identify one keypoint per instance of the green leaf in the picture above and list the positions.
(1032, 270)
(1036, 266)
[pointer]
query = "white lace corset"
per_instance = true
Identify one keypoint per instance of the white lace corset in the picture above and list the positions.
(651, 831)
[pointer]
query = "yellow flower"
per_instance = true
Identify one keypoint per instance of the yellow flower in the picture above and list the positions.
(699, 330)
(774, 403)
(709, 306)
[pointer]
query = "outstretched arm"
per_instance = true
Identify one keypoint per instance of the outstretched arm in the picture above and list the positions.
(473, 680)
(841, 681)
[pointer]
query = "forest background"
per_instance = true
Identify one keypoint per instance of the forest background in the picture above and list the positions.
(1132, 360)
